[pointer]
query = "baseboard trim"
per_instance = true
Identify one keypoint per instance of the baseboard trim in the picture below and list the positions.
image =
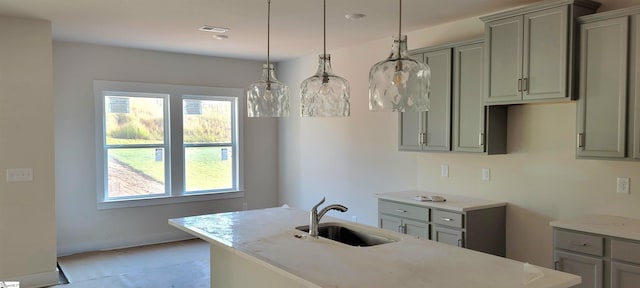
(45, 279)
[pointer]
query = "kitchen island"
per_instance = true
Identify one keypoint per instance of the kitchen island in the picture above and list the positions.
(262, 248)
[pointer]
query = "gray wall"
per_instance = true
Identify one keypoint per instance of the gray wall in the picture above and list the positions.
(81, 227)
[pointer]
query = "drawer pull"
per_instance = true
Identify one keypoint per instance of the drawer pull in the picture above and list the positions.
(401, 211)
(581, 244)
(446, 219)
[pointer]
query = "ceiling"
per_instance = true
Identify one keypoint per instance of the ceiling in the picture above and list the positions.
(296, 25)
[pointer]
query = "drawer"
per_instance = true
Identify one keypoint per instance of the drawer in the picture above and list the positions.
(403, 210)
(625, 251)
(447, 218)
(579, 242)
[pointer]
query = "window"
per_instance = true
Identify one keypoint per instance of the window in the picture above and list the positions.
(162, 144)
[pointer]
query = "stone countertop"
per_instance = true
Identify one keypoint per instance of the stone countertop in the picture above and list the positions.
(453, 203)
(610, 225)
(269, 238)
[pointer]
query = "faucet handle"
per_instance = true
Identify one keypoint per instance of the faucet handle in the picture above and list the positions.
(315, 208)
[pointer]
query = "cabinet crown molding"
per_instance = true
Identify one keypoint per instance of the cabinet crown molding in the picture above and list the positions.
(591, 5)
(633, 10)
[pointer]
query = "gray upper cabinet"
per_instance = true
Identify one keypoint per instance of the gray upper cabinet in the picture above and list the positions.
(529, 52)
(468, 111)
(413, 125)
(431, 131)
(457, 120)
(438, 130)
(504, 46)
(607, 111)
(634, 83)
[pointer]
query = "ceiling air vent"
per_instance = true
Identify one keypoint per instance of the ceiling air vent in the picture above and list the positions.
(215, 29)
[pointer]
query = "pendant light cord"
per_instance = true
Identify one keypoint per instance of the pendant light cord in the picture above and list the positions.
(324, 37)
(399, 28)
(268, 42)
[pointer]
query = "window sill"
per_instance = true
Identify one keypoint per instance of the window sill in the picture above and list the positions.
(168, 200)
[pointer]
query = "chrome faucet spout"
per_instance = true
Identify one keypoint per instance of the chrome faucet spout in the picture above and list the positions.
(316, 216)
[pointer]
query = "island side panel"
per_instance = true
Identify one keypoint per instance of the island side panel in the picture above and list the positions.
(230, 269)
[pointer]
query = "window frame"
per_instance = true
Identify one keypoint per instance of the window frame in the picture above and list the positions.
(174, 147)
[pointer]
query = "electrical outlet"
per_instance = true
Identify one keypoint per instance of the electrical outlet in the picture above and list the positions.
(486, 174)
(444, 170)
(19, 175)
(623, 185)
(244, 206)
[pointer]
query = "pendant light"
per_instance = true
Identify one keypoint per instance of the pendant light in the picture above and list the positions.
(325, 94)
(399, 83)
(268, 97)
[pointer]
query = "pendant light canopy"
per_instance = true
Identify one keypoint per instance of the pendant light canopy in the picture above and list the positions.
(268, 97)
(325, 94)
(399, 83)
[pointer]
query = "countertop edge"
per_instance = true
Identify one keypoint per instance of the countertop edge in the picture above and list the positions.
(600, 229)
(442, 205)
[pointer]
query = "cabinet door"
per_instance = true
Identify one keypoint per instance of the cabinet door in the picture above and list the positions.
(411, 129)
(390, 223)
(624, 275)
(634, 73)
(447, 236)
(416, 228)
(589, 268)
(439, 115)
(468, 111)
(602, 107)
(412, 124)
(503, 40)
(544, 74)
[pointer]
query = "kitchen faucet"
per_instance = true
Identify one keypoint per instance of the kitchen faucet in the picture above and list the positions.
(316, 216)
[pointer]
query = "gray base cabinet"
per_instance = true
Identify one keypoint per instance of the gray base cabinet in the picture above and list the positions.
(608, 124)
(602, 261)
(529, 55)
(479, 229)
(457, 120)
(591, 269)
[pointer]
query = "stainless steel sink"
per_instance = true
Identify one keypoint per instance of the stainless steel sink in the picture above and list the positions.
(340, 233)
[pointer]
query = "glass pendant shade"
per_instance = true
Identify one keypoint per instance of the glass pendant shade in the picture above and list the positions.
(399, 83)
(325, 94)
(268, 97)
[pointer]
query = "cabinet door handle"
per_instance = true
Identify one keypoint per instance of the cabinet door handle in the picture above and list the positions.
(402, 228)
(401, 211)
(519, 85)
(580, 140)
(525, 84)
(580, 244)
(446, 219)
(481, 139)
(422, 138)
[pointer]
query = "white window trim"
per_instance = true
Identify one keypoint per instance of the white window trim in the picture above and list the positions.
(175, 192)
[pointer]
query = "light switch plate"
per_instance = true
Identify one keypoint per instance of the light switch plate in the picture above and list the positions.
(19, 175)
(444, 170)
(486, 174)
(622, 185)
